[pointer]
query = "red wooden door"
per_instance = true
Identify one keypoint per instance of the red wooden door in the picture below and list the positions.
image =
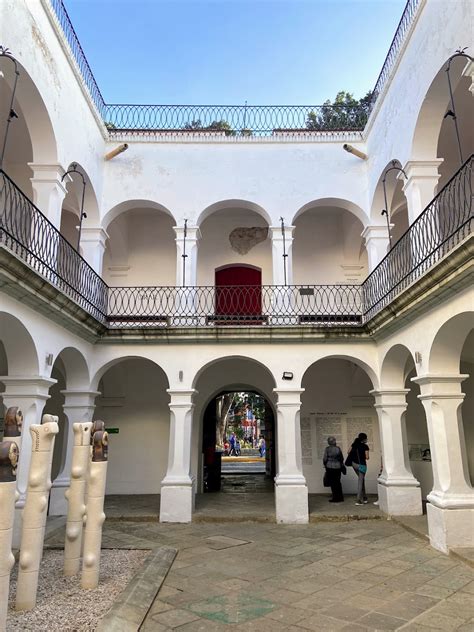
(239, 292)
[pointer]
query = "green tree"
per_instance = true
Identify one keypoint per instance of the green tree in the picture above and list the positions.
(215, 126)
(344, 113)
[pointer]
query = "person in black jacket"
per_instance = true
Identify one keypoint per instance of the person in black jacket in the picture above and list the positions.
(333, 461)
(358, 457)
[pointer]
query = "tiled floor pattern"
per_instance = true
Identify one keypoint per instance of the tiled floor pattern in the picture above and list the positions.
(370, 575)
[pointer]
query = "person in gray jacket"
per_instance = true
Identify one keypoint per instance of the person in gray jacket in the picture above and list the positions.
(333, 461)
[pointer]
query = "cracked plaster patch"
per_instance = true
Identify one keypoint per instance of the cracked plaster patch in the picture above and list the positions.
(242, 239)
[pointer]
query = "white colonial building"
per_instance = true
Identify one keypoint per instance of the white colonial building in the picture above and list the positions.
(244, 248)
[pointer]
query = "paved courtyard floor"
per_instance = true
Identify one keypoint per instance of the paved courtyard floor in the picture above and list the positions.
(357, 575)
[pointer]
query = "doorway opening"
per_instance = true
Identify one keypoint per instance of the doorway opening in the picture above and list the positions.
(238, 295)
(238, 443)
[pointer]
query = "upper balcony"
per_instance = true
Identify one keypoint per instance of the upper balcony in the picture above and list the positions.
(28, 239)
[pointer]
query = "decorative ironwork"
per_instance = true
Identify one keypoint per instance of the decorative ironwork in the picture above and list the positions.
(452, 111)
(82, 214)
(386, 210)
(238, 305)
(78, 54)
(26, 232)
(233, 120)
(445, 222)
(403, 27)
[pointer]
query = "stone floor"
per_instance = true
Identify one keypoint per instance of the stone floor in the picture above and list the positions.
(357, 575)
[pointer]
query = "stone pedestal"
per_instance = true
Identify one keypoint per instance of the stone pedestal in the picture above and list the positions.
(400, 500)
(177, 488)
(450, 528)
(291, 491)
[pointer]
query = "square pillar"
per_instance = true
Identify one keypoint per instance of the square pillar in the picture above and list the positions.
(420, 185)
(291, 491)
(49, 190)
(282, 256)
(177, 488)
(376, 243)
(451, 508)
(399, 491)
(93, 242)
(78, 407)
(190, 245)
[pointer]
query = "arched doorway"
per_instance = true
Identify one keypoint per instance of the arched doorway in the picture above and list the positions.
(235, 396)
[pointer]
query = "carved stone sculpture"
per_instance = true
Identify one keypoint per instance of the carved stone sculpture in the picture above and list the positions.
(13, 423)
(75, 496)
(242, 239)
(95, 510)
(8, 496)
(34, 513)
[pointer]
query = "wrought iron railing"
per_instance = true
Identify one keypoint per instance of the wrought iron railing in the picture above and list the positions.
(403, 27)
(445, 222)
(231, 120)
(448, 219)
(234, 120)
(237, 305)
(78, 54)
(26, 232)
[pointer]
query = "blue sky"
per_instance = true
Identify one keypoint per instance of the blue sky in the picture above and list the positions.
(232, 51)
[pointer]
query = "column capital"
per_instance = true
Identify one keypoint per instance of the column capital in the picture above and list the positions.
(49, 174)
(27, 387)
(277, 235)
(193, 233)
(435, 385)
(390, 397)
(420, 169)
(95, 234)
(375, 232)
(288, 396)
(181, 397)
(79, 398)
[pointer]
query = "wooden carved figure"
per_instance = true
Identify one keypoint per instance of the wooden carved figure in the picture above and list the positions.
(95, 510)
(34, 513)
(8, 496)
(75, 496)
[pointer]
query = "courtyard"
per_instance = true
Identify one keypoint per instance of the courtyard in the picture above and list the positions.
(356, 575)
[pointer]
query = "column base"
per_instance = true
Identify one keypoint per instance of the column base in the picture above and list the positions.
(58, 504)
(291, 503)
(176, 503)
(450, 528)
(400, 500)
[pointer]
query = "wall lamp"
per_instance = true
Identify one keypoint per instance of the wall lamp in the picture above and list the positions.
(115, 152)
(356, 152)
(287, 375)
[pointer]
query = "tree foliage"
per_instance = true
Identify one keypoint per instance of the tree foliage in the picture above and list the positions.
(215, 126)
(344, 113)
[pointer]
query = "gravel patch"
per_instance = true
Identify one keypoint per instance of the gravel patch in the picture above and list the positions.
(62, 605)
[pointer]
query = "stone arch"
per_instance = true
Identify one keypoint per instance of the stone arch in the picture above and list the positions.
(330, 202)
(396, 365)
(445, 351)
(395, 195)
(233, 358)
(129, 205)
(430, 117)
(20, 349)
(327, 243)
(72, 201)
(362, 364)
(99, 373)
(233, 204)
(75, 367)
(31, 108)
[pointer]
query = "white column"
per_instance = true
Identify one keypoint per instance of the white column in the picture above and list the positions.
(451, 508)
(30, 395)
(291, 491)
(399, 491)
(469, 72)
(278, 252)
(48, 190)
(177, 488)
(93, 242)
(376, 244)
(78, 406)
(193, 235)
(420, 185)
